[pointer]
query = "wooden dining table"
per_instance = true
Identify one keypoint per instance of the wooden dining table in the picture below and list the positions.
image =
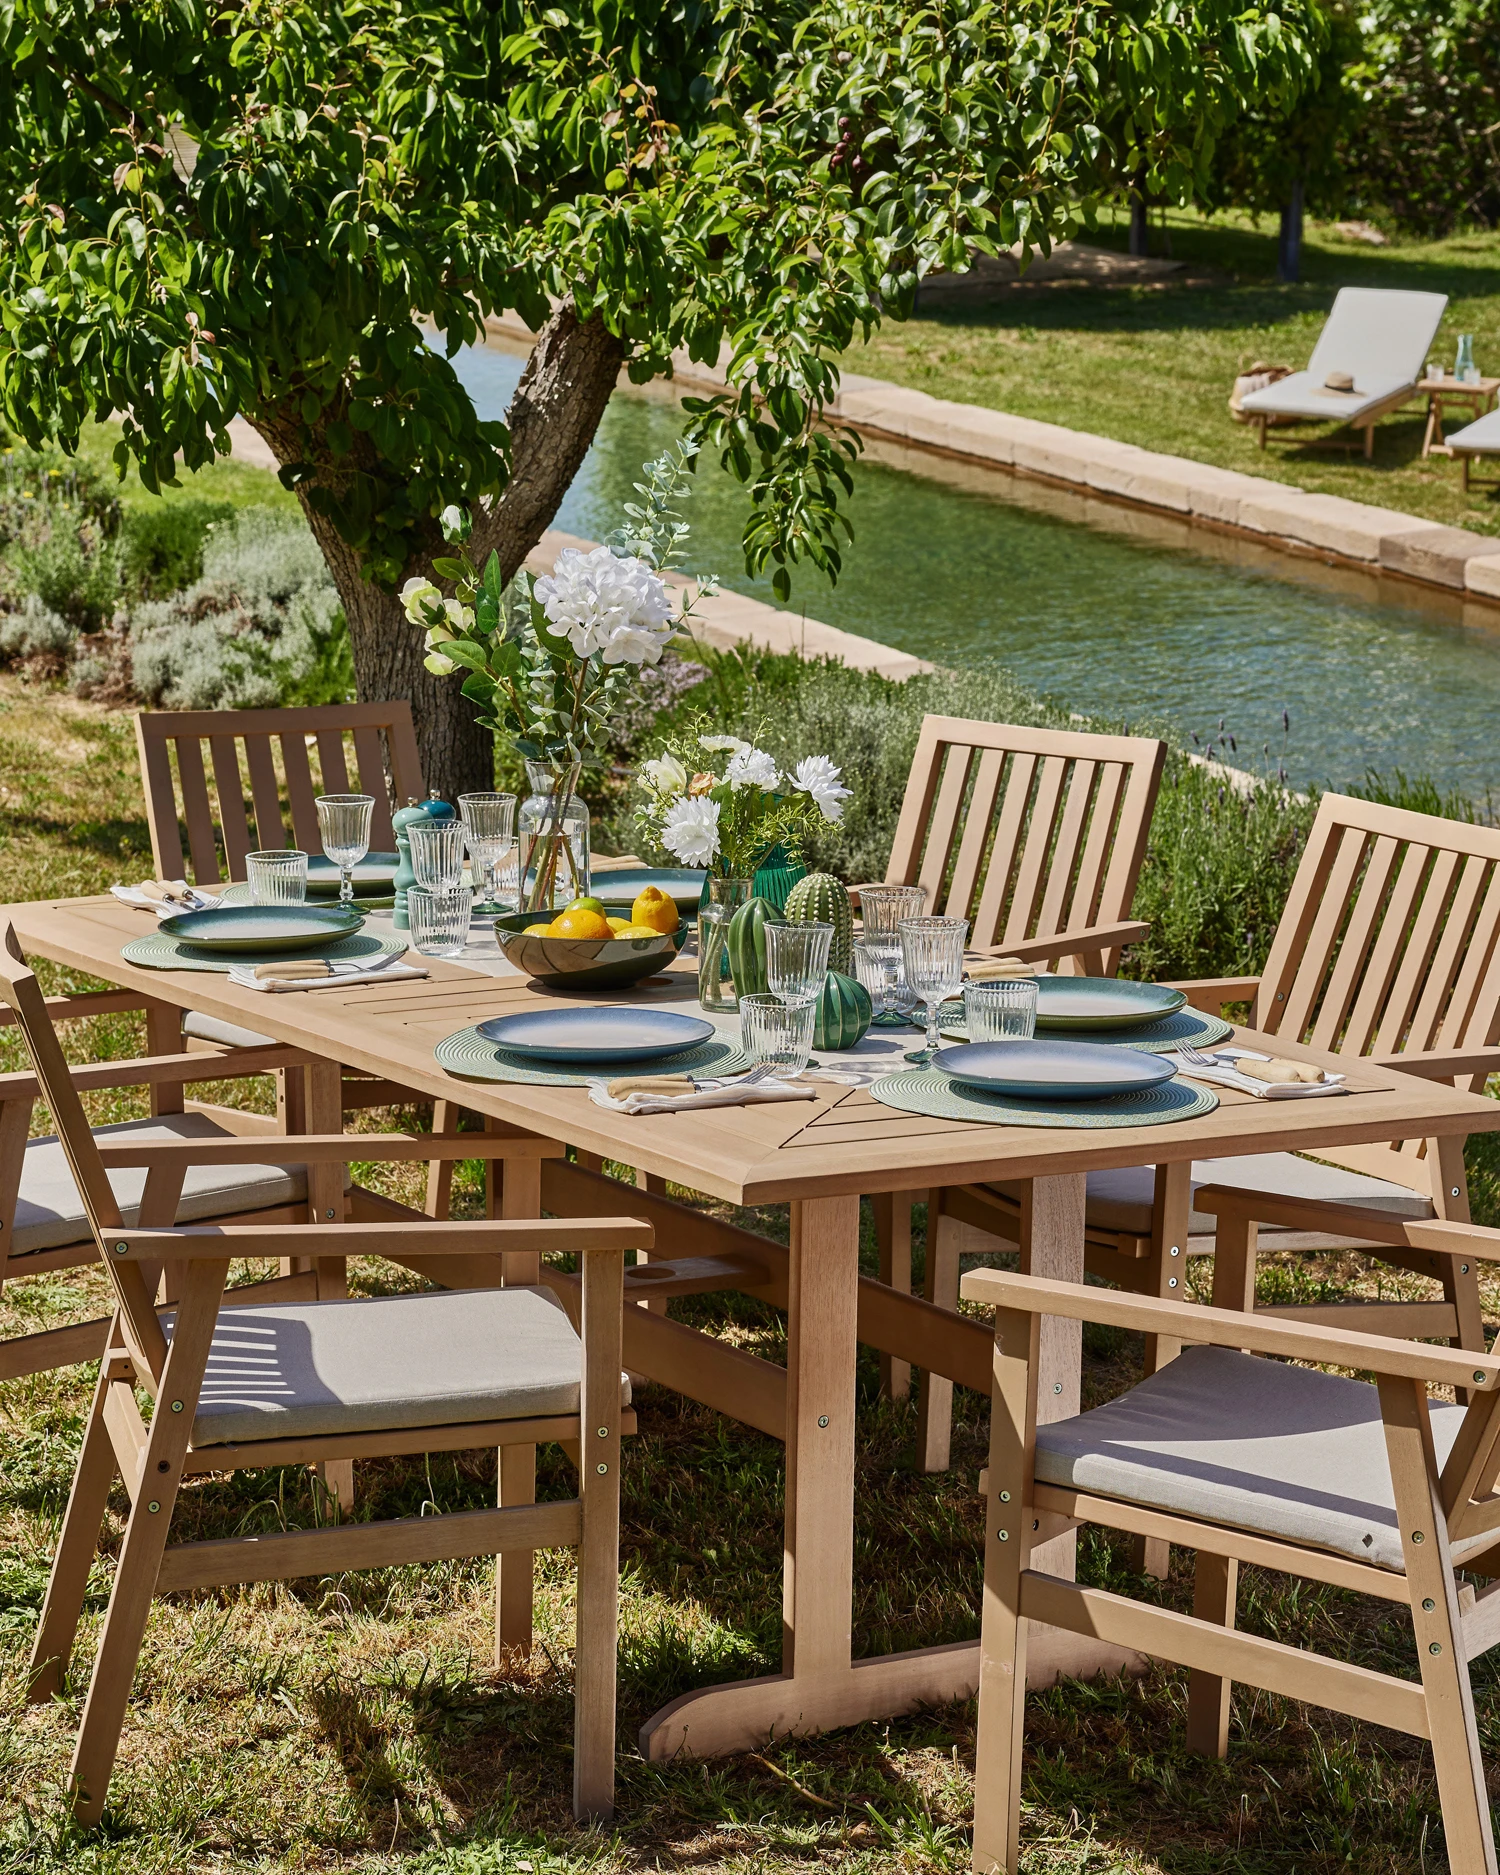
(819, 1157)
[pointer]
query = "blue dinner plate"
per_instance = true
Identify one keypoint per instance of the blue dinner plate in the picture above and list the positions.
(263, 927)
(679, 883)
(1054, 1070)
(1102, 1002)
(603, 1035)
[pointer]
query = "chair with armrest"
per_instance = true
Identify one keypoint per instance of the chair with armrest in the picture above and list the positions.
(1037, 837)
(1233, 1456)
(1388, 952)
(309, 1382)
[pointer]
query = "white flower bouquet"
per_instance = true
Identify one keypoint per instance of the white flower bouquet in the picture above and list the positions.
(729, 818)
(547, 657)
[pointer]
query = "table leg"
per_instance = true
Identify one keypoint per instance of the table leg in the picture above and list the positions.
(820, 1685)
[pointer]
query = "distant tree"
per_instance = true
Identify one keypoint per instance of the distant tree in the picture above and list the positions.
(210, 208)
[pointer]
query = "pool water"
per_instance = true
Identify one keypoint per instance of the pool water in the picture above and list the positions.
(1107, 610)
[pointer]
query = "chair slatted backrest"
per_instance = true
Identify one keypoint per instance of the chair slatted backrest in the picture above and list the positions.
(1025, 832)
(20, 989)
(1389, 943)
(216, 799)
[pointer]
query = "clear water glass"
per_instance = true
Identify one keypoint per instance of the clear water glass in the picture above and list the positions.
(344, 823)
(439, 920)
(778, 1033)
(797, 960)
(489, 822)
(277, 877)
(875, 964)
(932, 952)
(437, 854)
(1002, 1010)
(883, 911)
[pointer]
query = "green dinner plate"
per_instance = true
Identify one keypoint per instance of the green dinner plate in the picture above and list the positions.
(679, 883)
(374, 876)
(263, 927)
(1102, 1002)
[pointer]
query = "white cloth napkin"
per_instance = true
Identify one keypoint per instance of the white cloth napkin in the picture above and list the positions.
(345, 976)
(1225, 1075)
(710, 1093)
(194, 900)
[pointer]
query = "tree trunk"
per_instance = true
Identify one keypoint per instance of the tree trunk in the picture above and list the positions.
(1289, 246)
(1140, 220)
(552, 418)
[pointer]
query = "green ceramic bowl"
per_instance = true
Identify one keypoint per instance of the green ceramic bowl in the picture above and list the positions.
(263, 927)
(584, 963)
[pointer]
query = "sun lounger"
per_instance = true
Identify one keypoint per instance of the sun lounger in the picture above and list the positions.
(1480, 438)
(1377, 338)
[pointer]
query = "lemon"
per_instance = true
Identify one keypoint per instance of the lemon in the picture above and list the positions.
(581, 924)
(655, 910)
(618, 925)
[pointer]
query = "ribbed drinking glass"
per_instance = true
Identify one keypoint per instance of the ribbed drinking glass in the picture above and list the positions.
(437, 854)
(777, 1033)
(797, 960)
(277, 877)
(344, 822)
(1001, 1011)
(490, 830)
(875, 963)
(883, 911)
(439, 920)
(932, 953)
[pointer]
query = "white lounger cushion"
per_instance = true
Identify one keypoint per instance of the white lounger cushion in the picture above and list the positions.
(1258, 1445)
(1122, 1199)
(49, 1213)
(1379, 336)
(436, 1358)
(1479, 438)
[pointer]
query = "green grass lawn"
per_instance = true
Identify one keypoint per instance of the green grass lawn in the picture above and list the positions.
(1154, 365)
(356, 1724)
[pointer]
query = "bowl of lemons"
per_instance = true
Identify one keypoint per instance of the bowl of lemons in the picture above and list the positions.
(585, 947)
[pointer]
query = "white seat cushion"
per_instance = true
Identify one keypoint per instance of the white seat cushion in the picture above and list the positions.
(1255, 1444)
(49, 1212)
(436, 1358)
(227, 1034)
(1480, 438)
(1302, 395)
(1121, 1199)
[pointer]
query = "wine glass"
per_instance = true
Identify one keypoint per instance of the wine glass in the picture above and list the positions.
(344, 822)
(932, 950)
(490, 829)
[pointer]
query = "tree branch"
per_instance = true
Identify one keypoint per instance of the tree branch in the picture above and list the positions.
(552, 417)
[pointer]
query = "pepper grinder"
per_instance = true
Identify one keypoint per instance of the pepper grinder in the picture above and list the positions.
(433, 808)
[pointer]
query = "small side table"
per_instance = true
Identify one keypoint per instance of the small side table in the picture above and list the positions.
(1441, 392)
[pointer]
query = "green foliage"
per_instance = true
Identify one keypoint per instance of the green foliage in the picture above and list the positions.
(1273, 146)
(1424, 146)
(209, 212)
(161, 545)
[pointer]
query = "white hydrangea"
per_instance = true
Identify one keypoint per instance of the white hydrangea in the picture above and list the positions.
(606, 603)
(690, 830)
(665, 777)
(818, 776)
(752, 768)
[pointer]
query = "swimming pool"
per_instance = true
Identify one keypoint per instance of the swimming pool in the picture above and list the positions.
(1106, 609)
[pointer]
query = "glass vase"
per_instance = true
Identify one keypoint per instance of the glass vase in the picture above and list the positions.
(716, 988)
(552, 838)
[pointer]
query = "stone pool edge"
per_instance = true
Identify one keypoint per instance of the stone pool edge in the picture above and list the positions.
(1330, 527)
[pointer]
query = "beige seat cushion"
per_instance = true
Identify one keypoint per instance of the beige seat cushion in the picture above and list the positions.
(49, 1212)
(227, 1034)
(437, 1358)
(1121, 1199)
(1257, 1445)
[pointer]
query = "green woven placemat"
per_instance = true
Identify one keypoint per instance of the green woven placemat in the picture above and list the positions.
(469, 1054)
(162, 952)
(940, 1097)
(1152, 1038)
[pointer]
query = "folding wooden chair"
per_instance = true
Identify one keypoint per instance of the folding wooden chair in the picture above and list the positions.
(324, 1381)
(1037, 837)
(1376, 1488)
(1388, 951)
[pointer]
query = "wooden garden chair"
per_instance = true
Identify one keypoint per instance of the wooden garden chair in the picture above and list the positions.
(1379, 1488)
(236, 1388)
(1388, 950)
(1037, 837)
